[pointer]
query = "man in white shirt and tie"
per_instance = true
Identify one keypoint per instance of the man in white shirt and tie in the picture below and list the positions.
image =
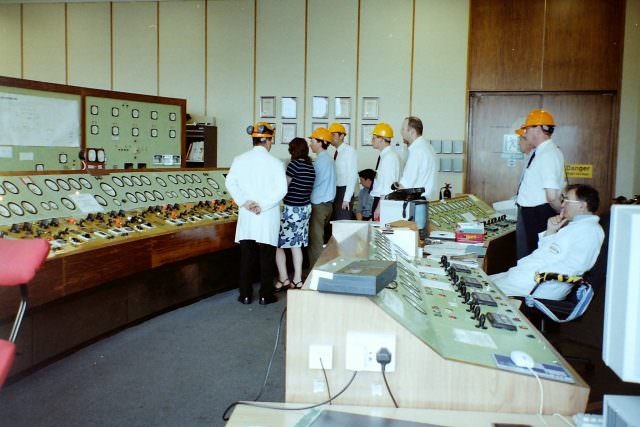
(346, 163)
(539, 191)
(387, 167)
(257, 182)
(420, 169)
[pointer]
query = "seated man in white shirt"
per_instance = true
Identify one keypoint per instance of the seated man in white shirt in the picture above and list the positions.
(570, 245)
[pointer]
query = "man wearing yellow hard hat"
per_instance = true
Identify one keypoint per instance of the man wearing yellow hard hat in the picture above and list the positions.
(387, 167)
(324, 191)
(257, 183)
(539, 191)
(346, 163)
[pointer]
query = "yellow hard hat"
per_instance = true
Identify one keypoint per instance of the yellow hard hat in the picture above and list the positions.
(337, 128)
(520, 130)
(261, 130)
(383, 130)
(539, 117)
(322, 134)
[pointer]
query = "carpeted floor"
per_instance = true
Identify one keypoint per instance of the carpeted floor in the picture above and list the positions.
(179, 369)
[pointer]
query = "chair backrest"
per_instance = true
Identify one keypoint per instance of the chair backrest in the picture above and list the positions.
(20, 259)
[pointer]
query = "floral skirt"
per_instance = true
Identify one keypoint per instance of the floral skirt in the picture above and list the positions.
(294, 226)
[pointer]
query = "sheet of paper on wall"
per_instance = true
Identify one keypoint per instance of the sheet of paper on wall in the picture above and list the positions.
(6, 152)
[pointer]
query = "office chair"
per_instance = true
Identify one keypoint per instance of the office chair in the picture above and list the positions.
(19, 261)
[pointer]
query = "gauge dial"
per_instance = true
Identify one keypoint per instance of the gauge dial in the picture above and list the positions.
(86, 183)
(75, 184)
(29, 207)
(108, 189)
(161, 181)
(68, 203)
(51, 184)
(34, 189)
(213, 183)
(4, 211)
(63, 184)
(117, 181)
(16, 208)
(11, 187)
(146, 180)
(101, 201)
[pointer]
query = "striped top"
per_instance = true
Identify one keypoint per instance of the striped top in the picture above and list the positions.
(302, 177)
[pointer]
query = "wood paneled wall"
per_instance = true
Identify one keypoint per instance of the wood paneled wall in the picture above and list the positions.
(545, 45)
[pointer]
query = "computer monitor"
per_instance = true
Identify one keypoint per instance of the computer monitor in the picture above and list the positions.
(621, 346)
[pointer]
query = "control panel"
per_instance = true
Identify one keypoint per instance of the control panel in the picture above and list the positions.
(79, 210)
(458, 312)
(133, 134)
(445, 214)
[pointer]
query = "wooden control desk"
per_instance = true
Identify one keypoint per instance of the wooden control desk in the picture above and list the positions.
(423, 377)
(251, 416)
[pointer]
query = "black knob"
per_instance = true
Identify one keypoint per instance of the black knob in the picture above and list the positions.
(90, 217)
(26, 226)
(476, 311)
(55, 222)
(15, 228)
(43, 223)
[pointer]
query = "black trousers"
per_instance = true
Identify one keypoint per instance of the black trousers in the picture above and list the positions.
(255, 255)
(534, 220)
(338, 212)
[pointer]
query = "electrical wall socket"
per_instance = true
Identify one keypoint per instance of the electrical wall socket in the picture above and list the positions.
(362, 348)
(320, 351)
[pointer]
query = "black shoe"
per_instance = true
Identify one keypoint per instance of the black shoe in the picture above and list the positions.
(268, 300)
(245, 300)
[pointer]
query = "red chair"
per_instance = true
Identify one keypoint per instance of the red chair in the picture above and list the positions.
(19, 261)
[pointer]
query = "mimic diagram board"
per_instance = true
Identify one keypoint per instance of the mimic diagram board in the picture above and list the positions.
(40, 129)
(79, 210)
(445, 214)
(134, 134)
(452, 334)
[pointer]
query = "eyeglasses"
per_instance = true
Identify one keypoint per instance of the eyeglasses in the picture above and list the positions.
(564, 199)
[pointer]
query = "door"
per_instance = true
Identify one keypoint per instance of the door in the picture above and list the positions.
(584, 133)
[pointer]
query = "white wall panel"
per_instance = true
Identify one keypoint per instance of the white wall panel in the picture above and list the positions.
(182, 53)
(385, 65)
(135, 48)
(10, 40)
(280, 59)
(627, 175)
(89, 44)
(332, 56)
(230, 74)
(44, 42)
(440, 73)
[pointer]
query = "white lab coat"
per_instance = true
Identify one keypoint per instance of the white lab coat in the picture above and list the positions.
(257, 175)
(573, 250)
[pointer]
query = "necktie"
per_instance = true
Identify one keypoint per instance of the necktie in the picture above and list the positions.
(335, 155)
(374, 178)
(522, 176)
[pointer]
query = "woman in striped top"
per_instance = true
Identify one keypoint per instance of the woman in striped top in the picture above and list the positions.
(294, 225)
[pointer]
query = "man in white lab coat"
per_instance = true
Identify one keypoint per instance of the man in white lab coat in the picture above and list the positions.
(257, 183)
(570, 245)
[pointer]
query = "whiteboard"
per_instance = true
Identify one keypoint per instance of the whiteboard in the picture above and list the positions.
(39, 121)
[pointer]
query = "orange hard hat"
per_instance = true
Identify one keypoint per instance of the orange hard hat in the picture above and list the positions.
(383, 130)
(337, 128)
(539, 117)
(520, 130)
(261, 130)
(322, 134)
